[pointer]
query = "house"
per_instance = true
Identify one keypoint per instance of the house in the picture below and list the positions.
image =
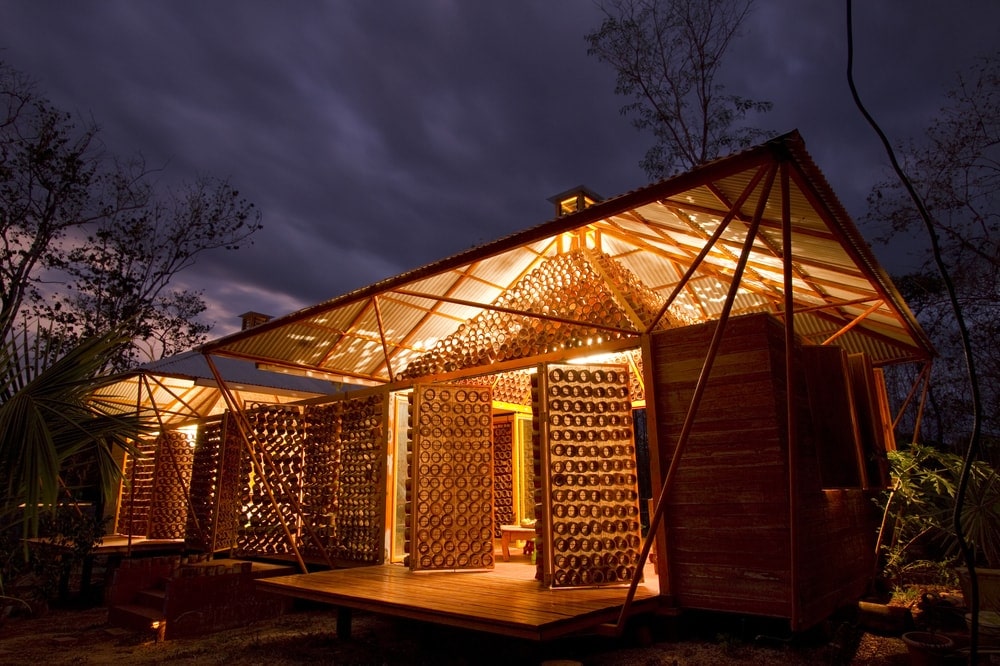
(179, 393)
(693, 368)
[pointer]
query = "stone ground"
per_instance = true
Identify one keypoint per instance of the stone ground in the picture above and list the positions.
(307, 636)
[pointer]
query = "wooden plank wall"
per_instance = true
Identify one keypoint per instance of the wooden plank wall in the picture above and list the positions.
(836, 538)
(728, 516)
(836, 525)
(835, 445)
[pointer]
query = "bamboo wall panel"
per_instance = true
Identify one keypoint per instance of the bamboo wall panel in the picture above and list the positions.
(202, 494)
(727, 522)
(360, 492)
(230, 473)
(171, 482)
(321, 484)
(503, 474)
(276, 432)
(451, 522)
(591, 534)
(137, 490)
(572, 286)
(325, 466)
(215, 487)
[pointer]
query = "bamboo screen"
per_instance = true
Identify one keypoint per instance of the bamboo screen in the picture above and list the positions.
(171, 480)
(587, 475)
(324, 466)
(137, 490)
(452, 491)
(503, 474)
(276, 471)
(214, 493)
(360, 495)
(322, 479)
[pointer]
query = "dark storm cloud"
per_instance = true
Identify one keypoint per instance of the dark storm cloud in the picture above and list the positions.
(906, 56)
(378, 136)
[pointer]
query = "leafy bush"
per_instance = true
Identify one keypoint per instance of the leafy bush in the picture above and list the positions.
(919, 512)
(67, 536)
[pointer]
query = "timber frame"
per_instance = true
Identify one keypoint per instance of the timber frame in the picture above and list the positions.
(759, 234)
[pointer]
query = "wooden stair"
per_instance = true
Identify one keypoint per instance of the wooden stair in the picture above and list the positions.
(137, 617)
(168, 598)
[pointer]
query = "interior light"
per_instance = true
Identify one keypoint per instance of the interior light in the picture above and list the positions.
(190, 432)
(593, 358)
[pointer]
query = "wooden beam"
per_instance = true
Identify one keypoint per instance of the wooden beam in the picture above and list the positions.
(699, 391)
(790, 397)
(723, 224)
(857, 320)
(381, 335)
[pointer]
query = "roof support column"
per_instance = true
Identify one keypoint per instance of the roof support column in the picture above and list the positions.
(699, 391)
(710, 243)
(791, 430)
(242, 425)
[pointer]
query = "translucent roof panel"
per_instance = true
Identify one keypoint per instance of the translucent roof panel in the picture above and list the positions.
(681, 240)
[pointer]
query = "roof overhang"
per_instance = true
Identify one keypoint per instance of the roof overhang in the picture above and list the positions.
(680, 238)
(182, 389)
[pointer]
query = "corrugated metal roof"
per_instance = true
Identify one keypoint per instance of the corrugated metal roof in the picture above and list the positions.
(182, 388)
(654, 235)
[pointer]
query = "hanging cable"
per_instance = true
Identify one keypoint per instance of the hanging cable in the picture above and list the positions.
(973, 445)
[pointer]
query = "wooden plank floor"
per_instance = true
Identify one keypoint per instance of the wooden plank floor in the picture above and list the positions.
(504, 601)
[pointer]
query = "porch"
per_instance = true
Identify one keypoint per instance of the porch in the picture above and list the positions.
(506, 600)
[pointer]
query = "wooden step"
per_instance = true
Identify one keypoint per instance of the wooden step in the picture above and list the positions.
(153, 597)
(138, 618)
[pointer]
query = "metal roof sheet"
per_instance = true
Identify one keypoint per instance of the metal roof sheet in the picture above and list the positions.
(653, 235)
(182, 388)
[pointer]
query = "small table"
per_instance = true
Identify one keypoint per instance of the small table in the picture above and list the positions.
(515, 532)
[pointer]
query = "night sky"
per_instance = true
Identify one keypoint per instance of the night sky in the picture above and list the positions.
(379, 135)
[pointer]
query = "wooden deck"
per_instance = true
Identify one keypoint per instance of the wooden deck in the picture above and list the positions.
(503, 601)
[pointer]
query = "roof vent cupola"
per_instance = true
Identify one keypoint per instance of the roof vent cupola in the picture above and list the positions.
(251, 319)
(574, 200)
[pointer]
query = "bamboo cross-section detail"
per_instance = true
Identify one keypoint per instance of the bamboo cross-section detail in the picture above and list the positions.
(585, 448)
(569, 300)
(451, 521)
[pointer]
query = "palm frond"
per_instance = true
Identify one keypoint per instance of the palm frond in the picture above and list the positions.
(47, 419)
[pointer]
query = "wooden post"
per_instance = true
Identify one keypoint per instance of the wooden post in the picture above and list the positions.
(343, 623)
(699, 391)
(241, 426)
(791, 435)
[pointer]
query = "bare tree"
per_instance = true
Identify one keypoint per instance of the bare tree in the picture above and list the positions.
(88, 243)
(955, 168)
(668, 54)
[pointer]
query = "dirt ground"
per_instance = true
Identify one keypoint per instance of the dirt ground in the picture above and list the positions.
(307, 636)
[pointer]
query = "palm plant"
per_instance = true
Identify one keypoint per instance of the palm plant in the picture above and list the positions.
(47, 422)
(922, 502)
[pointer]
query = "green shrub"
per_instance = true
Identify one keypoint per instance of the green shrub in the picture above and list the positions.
(920, 540)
